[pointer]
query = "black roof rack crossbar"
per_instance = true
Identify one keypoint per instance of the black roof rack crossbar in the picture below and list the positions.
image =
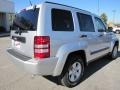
(64, 5)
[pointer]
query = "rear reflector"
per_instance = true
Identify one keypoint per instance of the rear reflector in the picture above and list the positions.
(41, 50)
(41, 47)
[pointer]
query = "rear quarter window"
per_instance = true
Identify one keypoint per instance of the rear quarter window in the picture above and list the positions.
(62, 20)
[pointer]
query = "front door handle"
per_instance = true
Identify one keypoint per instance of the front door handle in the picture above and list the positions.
(82, 36)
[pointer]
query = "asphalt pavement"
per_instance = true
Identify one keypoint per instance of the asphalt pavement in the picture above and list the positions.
(102, 74)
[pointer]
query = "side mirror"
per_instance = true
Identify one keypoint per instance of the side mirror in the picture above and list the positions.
(101, 30)
(109, 30)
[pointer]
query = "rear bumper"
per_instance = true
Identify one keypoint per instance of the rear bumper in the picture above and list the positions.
(32, 65)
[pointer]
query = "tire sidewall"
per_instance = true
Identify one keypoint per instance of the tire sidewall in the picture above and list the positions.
(112, 56)
(66, 80)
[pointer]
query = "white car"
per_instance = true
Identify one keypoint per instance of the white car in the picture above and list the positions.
(116, 30)
(59, 40)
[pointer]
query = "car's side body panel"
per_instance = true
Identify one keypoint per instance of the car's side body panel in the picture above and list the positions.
(62, 43)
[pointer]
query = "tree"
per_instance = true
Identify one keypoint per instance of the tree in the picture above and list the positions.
(104, 17)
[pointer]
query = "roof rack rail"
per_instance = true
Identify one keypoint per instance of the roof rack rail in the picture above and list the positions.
(65, 5)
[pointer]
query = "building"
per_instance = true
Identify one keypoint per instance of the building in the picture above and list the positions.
(6, 14)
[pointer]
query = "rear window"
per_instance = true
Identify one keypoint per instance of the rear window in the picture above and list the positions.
(62, 20)
(26, 20)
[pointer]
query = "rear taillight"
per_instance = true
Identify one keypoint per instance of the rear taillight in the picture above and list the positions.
(41, 46)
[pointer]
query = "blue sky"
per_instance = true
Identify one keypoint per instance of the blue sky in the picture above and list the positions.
(106, 6)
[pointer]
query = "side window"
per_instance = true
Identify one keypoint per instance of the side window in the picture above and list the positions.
(100, 26)
(62, 20)
(85, 22)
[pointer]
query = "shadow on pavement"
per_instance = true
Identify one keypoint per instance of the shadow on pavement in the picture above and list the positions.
(90, 69)
(118, 54)
(95, 66)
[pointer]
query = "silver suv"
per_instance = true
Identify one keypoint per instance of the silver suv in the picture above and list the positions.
(59, 40)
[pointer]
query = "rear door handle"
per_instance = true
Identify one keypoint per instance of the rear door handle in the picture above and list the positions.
(100, 35)
(82, 36)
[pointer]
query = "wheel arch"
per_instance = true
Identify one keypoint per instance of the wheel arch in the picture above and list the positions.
(80, 53)
(116, 43)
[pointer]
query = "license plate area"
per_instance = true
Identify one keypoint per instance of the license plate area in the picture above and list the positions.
(17, 44)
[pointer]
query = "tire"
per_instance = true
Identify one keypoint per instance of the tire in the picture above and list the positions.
(72, 72)
(114, 53)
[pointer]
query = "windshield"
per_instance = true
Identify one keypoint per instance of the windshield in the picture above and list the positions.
(26, 20)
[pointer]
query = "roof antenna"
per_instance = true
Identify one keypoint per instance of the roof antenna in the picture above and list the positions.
(30, 2)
